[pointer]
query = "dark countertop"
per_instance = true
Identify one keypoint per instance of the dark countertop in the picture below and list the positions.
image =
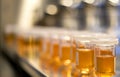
(12, 68)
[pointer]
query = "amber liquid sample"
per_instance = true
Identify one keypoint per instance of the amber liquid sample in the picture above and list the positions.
(66, 71)
(9, 39)
(21, 46)
(104, 75)
(38, 43)
(77, 73)
(25, 47)
(54, 67)
(106, 52)
(54, 61)
(29, 50)
(85, 60)
(45, 48)
(105, 64)
(37, 47)
(65, 67)
(74, 51)
(45, 57)
(29, 47)
(55, 49)
(65, 52)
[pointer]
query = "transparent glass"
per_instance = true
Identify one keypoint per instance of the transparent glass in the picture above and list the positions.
(105, 60)
(29, 46)
(51, 56)
(29, 43)
(55, 59)
(45, 55)
(75, 35)
(65, 67)
(9, 37)
(24, 46)
(84, 55)
(9, 40)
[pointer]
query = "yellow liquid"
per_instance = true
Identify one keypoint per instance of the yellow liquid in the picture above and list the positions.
(85, 60)
(37, 47)
(38, 44)
(29, 47)
(25, 47)
(66, 71)
(45, 57)
(65, 52)
(105, 64)
(21, 46)
(77, 73)
(55, 49)
(65, 67)
(74, 51)
(61, 68)
(104, 75)
(106, 52)
(54, 67)
(52, 60)
(9, 39)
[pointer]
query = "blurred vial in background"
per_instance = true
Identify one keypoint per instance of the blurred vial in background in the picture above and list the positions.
(65, 55)
(45, 54)
(55, 48)
(24, 44)
(29, 42)
(53, 54)
(9, 36)
(55, 59)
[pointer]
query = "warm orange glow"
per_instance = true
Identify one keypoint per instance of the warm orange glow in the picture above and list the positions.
(55, 49)
(85, 60)
(65, 52)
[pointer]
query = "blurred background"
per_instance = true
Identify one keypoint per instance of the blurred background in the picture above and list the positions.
(92, 15)
(95, 15)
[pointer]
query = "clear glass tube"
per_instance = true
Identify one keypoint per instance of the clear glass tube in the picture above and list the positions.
(9, 37)
(50, 53)
(29, 44)
(55, 59)
(54, 62)
(105, 57)
(84, 55)
(65, 56)
(24, 44)
(76, 34)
